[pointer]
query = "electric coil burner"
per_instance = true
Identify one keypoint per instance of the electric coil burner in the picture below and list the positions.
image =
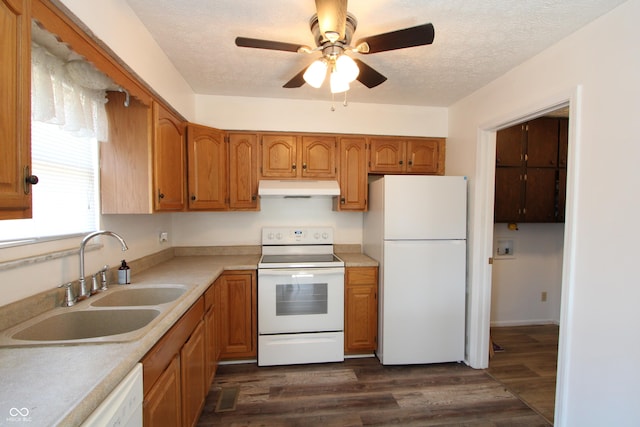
(300, 297)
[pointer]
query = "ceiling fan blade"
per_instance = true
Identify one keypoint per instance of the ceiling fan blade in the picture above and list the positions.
(408, 37)
(332, 17)
(296, 81)
(267, 44)
(368, 76)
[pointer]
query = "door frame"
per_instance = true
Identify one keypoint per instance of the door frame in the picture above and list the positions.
(482, 226)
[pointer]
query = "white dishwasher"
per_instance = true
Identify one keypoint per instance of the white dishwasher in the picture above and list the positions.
(123, 406)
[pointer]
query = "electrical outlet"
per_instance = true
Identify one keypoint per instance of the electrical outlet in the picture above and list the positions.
(543, 297)
(164, 237)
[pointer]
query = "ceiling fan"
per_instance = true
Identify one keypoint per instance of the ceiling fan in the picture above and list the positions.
(333, 27)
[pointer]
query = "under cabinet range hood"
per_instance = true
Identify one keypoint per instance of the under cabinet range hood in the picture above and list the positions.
(298, 188)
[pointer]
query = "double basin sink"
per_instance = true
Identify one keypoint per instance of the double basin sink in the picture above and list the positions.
(118, 315)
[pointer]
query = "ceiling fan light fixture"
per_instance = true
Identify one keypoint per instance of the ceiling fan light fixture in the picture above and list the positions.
(316, 72)
(347, 68)
(338, 82)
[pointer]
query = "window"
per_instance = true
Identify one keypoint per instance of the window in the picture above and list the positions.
(67, 119)
(65, 198)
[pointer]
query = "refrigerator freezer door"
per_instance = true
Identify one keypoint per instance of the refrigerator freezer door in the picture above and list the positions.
(423, 302)
(425, 207)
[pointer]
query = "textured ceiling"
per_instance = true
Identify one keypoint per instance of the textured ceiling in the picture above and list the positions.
(476, 41)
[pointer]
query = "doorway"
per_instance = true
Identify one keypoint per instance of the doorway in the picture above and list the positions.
(481, 244)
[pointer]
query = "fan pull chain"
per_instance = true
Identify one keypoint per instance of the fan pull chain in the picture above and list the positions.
(333, 100)
(344, 103)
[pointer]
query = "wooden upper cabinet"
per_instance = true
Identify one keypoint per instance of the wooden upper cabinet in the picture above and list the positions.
(15, 116)
(510, 146)
(387, 155)
(295, 156)
(207, 168)
(318, 157)
(126, 184)
(243, 171)
(169, 160)
(353, 175)
(279, 156)
(542, 142)
(424, 156)
(395, 155)
(563, 143)
(530, 178)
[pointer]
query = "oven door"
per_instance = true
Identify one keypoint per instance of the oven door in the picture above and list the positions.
(300, 300)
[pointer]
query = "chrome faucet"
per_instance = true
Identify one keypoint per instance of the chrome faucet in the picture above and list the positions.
(84, 292)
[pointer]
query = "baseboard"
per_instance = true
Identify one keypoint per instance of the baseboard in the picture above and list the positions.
(531, 322)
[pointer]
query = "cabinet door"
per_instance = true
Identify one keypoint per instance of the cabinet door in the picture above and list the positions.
(192, 376)
(386, 155)
(509, 200)
(243, 171)
(353, 174)
(562, 194)
(563, 143)
(540, 195)
(238, 294)
(542, 142)
(423, 156)
(162, 403)
(510, 146)
(207, 157)
(15, 116)
(318, 157)
(361, 310)
(169, 160)
(279, 156)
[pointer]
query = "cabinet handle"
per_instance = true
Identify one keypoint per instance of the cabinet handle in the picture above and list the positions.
(193, 197)
(400, 162)
(342, 201)
(29, 180)
(410, 163)
(293, 166)
(160, 195)
(253, 198)
(304, 166)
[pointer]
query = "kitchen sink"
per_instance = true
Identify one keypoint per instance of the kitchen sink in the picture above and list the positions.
(140, 296)
(87, 324)
(121, 314)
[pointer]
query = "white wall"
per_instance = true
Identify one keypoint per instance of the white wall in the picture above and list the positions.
(535, 266)
(598, 376)
(269, 114)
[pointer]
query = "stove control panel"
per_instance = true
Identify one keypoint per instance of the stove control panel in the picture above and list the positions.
(297, 236)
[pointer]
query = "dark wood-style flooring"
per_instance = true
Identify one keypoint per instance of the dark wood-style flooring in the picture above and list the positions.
(528, 364)
(362, 392)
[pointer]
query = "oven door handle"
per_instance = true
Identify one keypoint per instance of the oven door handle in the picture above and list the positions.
(300, 272)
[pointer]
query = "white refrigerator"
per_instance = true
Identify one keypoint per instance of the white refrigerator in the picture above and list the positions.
(416, 228)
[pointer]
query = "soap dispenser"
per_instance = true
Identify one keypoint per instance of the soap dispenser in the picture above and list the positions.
(124, 274)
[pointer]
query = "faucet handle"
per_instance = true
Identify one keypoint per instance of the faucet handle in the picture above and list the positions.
(94, 284)
(103, 278)
(69, 298)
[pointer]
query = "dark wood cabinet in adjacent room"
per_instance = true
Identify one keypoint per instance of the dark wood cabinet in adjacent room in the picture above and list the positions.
(530, 177)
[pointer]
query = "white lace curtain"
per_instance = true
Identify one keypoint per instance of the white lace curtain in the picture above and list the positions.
(70, 94)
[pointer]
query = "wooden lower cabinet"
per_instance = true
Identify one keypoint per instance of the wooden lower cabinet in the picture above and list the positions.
(162, 402)
(192, 376)
(212, 331)
(239, 327)
(361, 310)
(174, 380)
